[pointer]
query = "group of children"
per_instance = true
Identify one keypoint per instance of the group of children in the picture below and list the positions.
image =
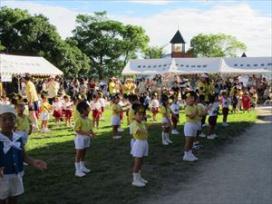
(16, 126)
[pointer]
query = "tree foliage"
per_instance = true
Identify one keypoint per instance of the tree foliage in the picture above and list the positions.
(23, 34)
(154, 52)
(109, 44)
(216, 45)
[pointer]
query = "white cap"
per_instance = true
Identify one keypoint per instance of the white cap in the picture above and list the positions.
(204, 75)
(7, 109)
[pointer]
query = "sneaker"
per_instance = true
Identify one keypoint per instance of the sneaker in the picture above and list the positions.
(138, 183)
(202, 135)
(116, 137)
(85, 170)
(210, 137)
(174, 132)
(215, 135)
(225, 124)
(193, 157)
(120, 130)
(43, 130)
(188, 158)
(196, 146)
(204, 125)
(79, 174)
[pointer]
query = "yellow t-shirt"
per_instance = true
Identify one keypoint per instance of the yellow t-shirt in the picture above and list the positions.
(200, 111)
(112, 87)
(45, 107)
(31, 92)
(188, 111)
(131, 115)
(23, 123)
(116, 109)
(163, 110)
(76, 114)
(83, 124)
(139, 126)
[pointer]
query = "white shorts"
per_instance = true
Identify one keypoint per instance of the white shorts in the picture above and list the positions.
(199, 126)
(131, 144)
(190, 129)
(165, 122)
(44, 116)
(140, 148)
(115, 120)
(11, 186)
(82, 141)
(24, 135)
(131, 128)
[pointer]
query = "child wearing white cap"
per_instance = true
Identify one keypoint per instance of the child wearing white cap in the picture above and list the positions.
(12, 157)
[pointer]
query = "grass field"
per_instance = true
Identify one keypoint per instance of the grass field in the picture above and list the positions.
(111, 164)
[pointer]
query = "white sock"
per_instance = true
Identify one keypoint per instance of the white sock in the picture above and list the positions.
(81, 164)
(77, 165)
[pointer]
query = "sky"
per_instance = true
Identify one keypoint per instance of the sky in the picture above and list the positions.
(249, 21)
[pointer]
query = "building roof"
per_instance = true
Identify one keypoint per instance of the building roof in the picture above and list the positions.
(244, 54)
(177, 39)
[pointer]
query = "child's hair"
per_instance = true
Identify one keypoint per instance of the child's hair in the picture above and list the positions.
(132, 98)
(66, 97)
(44, 95)
(164, 98)
(138, 108)
(94, 96)
(82, 106)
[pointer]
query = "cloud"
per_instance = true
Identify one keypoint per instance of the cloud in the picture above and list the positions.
(152, 2)
(236, 19)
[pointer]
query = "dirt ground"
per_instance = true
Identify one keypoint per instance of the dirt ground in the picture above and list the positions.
(240, 173)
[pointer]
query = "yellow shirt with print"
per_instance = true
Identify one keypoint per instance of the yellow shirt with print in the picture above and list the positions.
(112, 87)
(23, 123)
(188, 111)
(83, 124)
(166, 111)
(31, 92)
(116, 109)
(139, 126)
(46, 107)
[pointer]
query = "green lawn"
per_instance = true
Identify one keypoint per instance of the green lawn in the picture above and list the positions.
(111, 163)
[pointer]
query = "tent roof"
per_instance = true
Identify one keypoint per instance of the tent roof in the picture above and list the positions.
(261, 65)
(15, 64)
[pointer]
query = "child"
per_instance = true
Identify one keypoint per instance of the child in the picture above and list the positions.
(13, 155)
(226, 101)
(46, 108)
(103, 104)
(115, 118)
(165, 110)
(175, 108)
(68, 112)
(124, 103)
(201, 111)
(140, 146)
(246, 100)
(95, 105)
(234, 101)
(57, 113)
(23, 125)
(83, 128)
(5, 100)
(190, 127)
(213, 112)
(154, 106)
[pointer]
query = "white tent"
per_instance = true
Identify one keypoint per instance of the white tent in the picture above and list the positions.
(16, 65)
(247, 65)
(260, 65)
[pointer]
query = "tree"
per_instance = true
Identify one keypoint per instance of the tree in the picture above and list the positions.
(23, 34)
(108, 43)
(215, 45)
(154, 52)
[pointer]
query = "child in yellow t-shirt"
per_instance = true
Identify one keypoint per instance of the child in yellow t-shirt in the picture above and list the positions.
(46, 109)
(140, 145)
(165, 110)
(84, 131)
(190, 127)
(115, 118)
(23, 124)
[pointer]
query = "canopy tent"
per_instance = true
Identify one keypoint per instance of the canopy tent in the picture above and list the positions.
(247, 65)
(17, 65)
(260, 65)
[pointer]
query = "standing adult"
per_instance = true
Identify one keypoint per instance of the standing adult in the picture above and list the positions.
(53, 87)
(32, 98)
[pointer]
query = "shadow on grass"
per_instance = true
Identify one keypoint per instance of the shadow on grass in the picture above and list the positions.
(111, 164)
